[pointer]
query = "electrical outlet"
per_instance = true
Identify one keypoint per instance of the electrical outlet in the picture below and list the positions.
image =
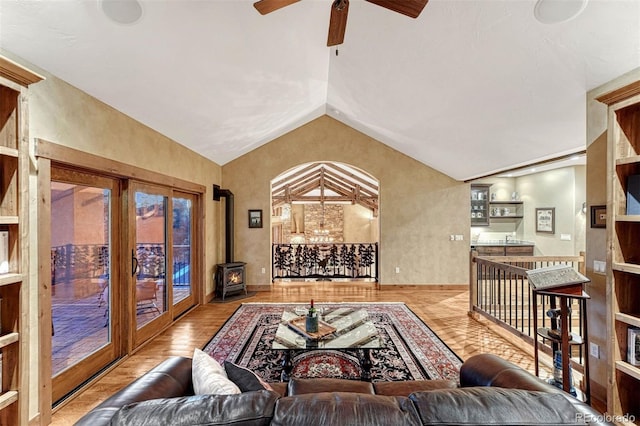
(452, 237)
(594, 350)
(459, 237)
(397, 269)
(264, 270)
(599, 266)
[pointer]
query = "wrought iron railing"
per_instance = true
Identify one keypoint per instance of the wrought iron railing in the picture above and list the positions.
(499, 291)
(325, 261)
(71, 261)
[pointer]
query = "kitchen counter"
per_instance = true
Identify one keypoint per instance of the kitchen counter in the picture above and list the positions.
(502, 243)
(503, 248)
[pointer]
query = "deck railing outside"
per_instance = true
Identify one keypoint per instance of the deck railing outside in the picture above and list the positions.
(499, 291)
(77, 261)
(325, 261)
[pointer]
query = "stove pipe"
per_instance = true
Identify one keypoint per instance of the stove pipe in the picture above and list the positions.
(228, 219)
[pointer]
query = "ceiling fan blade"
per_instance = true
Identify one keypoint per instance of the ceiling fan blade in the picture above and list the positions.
(338, 22)
(268, 6)
(410, 8)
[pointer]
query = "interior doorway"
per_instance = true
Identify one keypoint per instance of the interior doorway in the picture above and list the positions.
(325, 223)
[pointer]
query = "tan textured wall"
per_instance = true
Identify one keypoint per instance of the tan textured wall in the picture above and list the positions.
(419, 207)
(597, 250)
(359, 224)
(60, 113)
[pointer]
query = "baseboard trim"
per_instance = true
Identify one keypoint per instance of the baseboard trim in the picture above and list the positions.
(259, 287)
(453, 287)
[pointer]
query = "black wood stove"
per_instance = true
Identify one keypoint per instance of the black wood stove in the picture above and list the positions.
(229, 276)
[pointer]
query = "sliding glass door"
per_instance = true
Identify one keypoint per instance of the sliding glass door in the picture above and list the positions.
(83, 337)
(149, 217)
(124, 265)
(182, 250)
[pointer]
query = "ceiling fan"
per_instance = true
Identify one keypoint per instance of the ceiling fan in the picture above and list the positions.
(340, 9)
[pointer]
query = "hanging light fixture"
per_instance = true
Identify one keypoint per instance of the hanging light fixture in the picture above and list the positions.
(321, 235)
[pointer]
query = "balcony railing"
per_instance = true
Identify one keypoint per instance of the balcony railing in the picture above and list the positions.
(499, 291)
(77, 261)
(325, 261)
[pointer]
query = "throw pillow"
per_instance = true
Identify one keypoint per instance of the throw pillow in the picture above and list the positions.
(209, 377)
(244, 378)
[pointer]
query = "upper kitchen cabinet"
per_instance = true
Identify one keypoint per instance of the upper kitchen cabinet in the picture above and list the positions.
(480, 204)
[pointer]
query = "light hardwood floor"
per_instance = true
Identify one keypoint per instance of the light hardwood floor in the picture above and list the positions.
(443, 308)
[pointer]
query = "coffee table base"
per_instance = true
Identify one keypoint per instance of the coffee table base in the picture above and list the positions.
(364, 356)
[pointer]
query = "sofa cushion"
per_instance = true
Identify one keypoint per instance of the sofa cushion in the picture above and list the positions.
(244, 378)
(209, 377)
(341, 408)
(491, 370)
(493, 406)
(406, 387)
(171, 378)
(279, 387)
(303, 386)
(248, 408)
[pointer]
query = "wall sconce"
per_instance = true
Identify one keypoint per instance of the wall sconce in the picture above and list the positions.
(584, 208)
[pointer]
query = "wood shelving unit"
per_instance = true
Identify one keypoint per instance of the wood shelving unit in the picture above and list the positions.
(515, 209)
(623, 234)
(14, 213)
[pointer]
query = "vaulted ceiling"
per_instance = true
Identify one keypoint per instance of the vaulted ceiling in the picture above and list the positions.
(470, 87)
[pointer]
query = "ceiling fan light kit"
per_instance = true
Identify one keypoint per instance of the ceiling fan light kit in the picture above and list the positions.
(340, 10)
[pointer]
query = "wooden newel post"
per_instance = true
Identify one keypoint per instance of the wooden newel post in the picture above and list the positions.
(473, 281)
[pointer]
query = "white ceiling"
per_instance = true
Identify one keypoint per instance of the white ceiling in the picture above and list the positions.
(470, 87)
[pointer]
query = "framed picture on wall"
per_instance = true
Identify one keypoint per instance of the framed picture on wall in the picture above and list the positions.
(255, 218)
(598, 216)
(545, 220)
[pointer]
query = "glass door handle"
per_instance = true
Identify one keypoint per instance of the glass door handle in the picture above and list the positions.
(134, 263)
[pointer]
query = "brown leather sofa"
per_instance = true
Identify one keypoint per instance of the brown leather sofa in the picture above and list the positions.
(491, 391)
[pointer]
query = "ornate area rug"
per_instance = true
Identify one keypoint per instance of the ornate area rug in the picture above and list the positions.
(411, 350)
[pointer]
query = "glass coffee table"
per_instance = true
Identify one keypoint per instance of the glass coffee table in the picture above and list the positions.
(344, 329)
